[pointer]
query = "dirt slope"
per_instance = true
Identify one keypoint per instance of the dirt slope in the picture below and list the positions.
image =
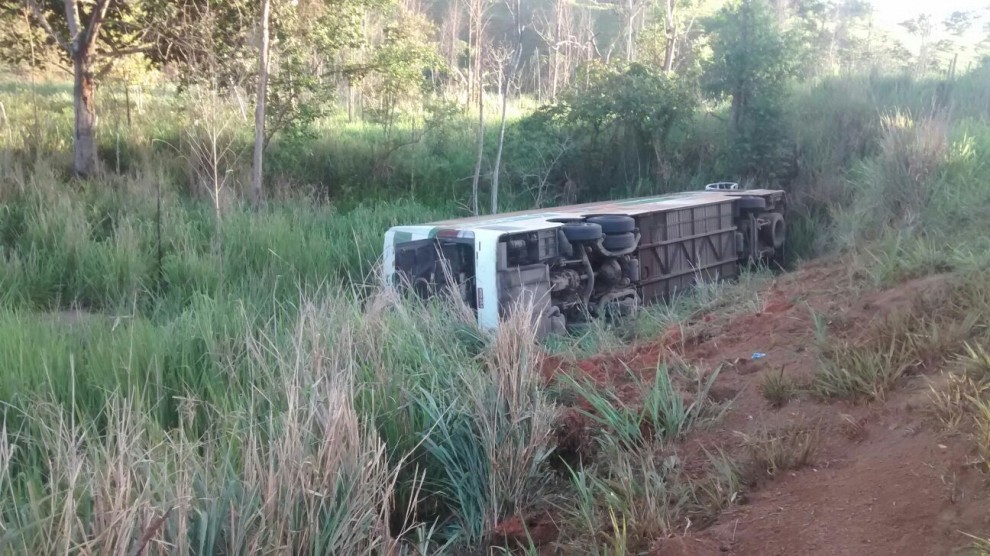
(884, 478)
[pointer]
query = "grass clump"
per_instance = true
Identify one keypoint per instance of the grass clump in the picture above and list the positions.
(962, 402)
(979, 546)
(778, 389)
(774, 451)
(296, 469)
(642, 495)
(953, 398)
(659, 411)
(936, 325)
(864, 372)
(317, 437)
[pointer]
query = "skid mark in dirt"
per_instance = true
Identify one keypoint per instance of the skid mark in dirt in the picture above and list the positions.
(882, 480)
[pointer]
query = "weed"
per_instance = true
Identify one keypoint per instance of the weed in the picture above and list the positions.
(923, 335)
(853, 372)
(961, 402)
(951, 398)
(871, 368)
(980, 546)
(852, 428)
(820, 323)
(774, 451)
(718, 489)
(778, 388)
(648, 491)
(661, 414)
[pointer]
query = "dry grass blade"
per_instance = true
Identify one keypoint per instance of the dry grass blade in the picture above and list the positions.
(149, 533)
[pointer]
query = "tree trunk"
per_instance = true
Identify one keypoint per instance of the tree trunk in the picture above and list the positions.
(477, 13)
(558, 16)
(671, 35)
(350, 101)
(630, 32)
(470, 60)
(738, 107)
(501, 133)
(84, 163)
(260, 105)
(481, 153)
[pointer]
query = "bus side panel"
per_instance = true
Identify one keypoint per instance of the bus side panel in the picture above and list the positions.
(680, 247)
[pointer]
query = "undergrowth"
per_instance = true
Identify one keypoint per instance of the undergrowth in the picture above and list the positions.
(918, 337)
(659, 411)
(962, 401)
(649, 492)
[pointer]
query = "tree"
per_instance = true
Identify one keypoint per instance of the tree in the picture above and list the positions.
(956, 25)
(91, 41)
(478, 16)
(670, 32)
(477, 21)
(619, 123)
(630, 10)
(557, 35)
(752, 60)
(508, 68)
(921, 27)
(407, 54)
(259, 107)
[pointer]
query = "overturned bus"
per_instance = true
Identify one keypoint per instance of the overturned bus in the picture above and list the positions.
(584, 261)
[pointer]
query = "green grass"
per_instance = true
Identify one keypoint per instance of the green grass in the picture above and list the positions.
(660, 414)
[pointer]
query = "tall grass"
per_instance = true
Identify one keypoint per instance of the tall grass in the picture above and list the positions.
(100, 248)
(320, 438)
(293, 468)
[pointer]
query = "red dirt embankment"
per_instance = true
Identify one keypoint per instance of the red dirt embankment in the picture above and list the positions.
(884, 479)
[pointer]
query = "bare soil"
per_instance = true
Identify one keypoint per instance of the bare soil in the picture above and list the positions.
(884, 479)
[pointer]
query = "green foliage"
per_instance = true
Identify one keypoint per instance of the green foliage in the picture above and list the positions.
(103, 251)
(401, 64)
(186, 342)
(620, 123)
(753, 59)
(637, 496)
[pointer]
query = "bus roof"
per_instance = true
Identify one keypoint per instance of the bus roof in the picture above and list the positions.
(537, 219)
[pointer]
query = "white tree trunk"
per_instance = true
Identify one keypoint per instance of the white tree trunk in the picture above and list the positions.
(481, 153)
(260, 106)
(501, 134)
(670, 28)
(630, 31)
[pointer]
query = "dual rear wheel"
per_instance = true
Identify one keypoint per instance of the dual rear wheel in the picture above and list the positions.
(616, 229)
